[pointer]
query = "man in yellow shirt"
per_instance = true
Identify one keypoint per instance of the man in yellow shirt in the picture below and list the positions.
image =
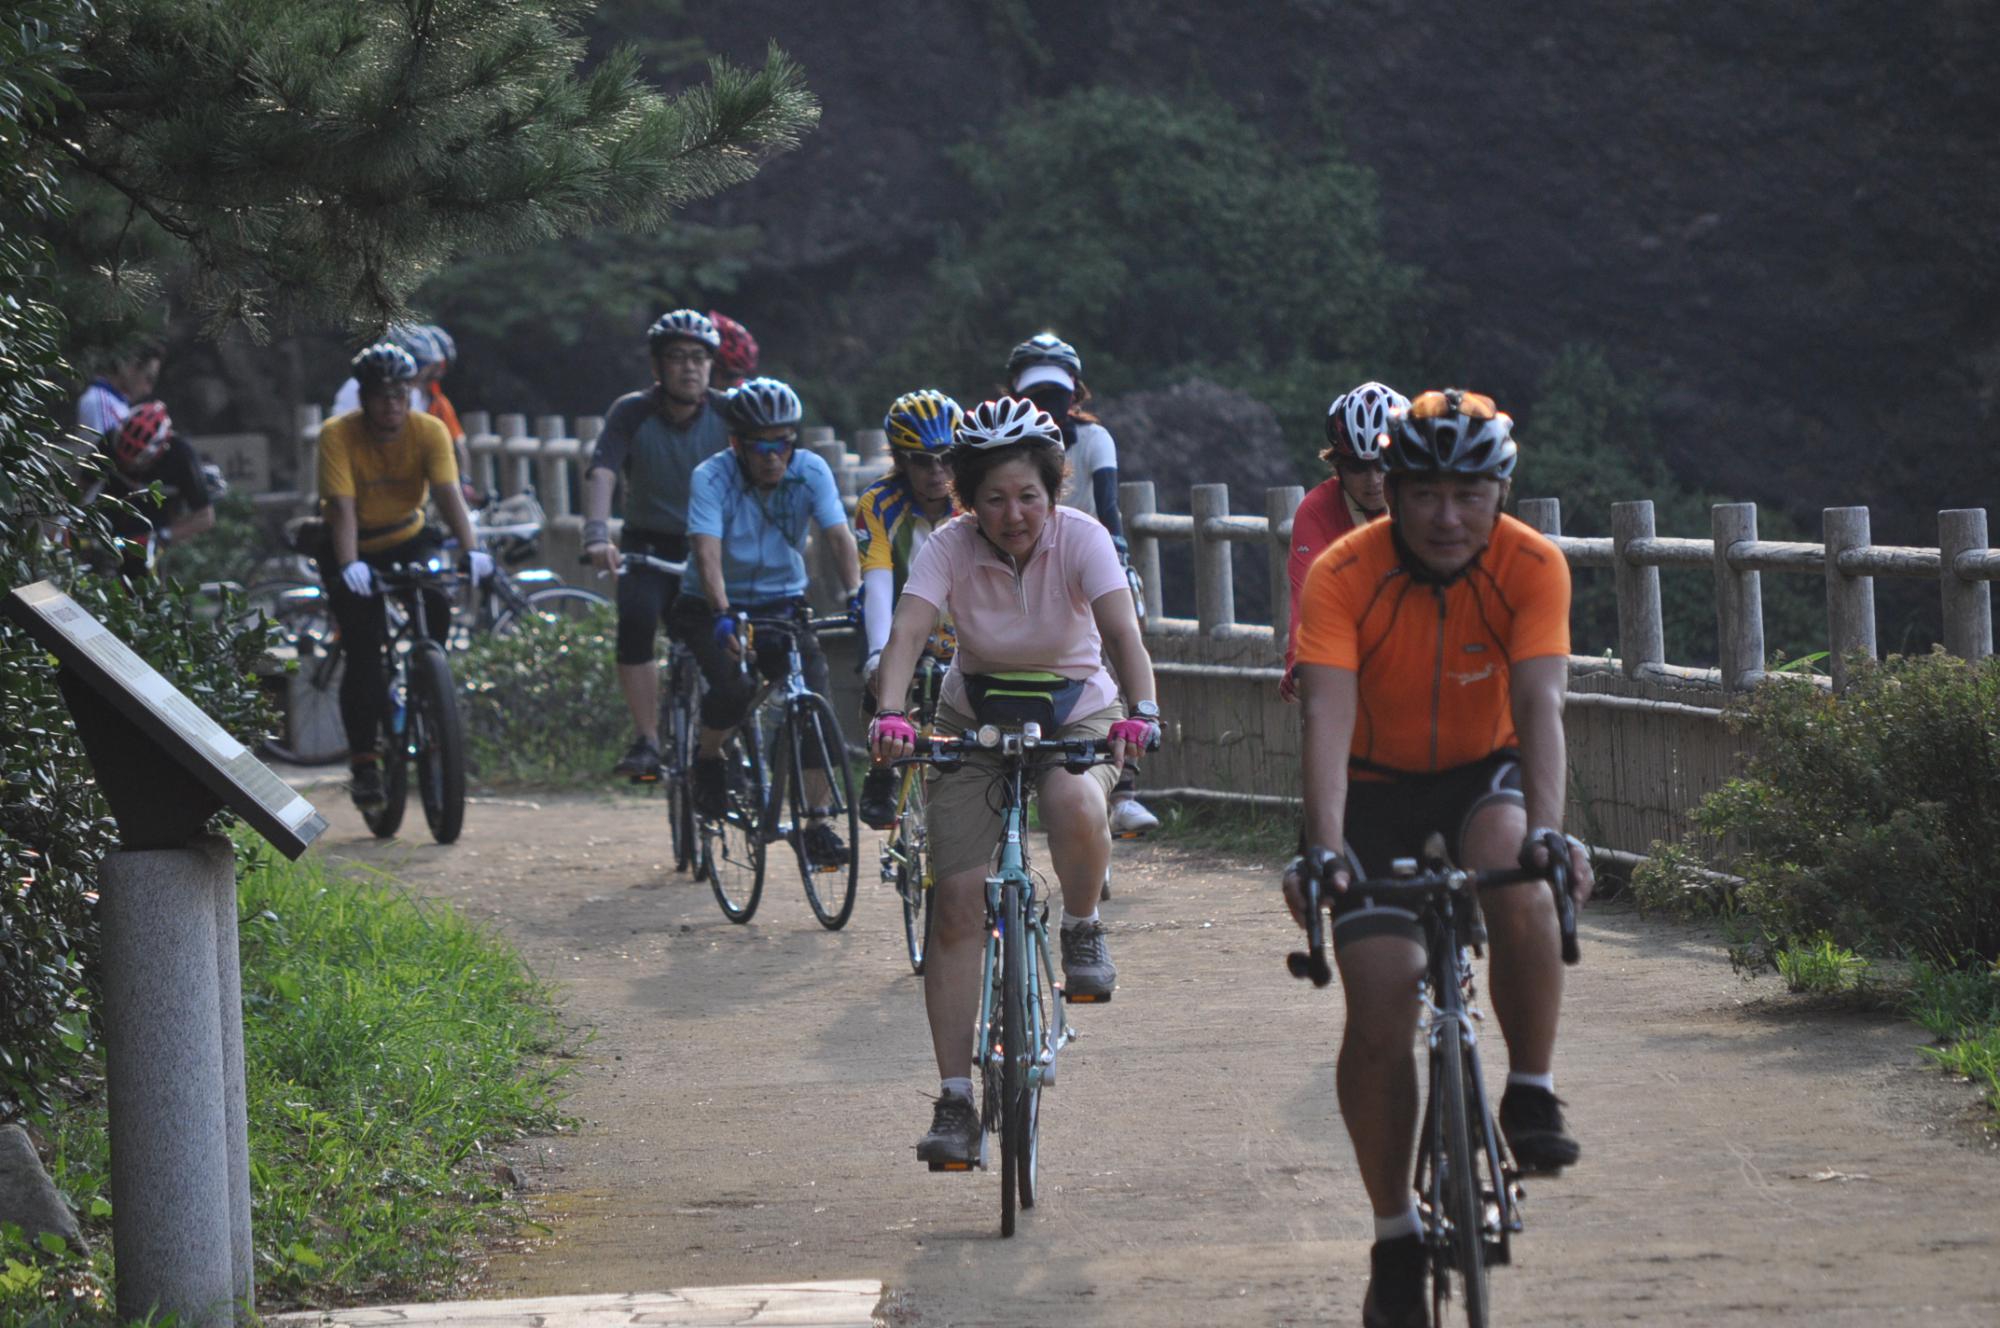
(376, 466)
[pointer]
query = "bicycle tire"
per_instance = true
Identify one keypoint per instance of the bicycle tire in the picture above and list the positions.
(384, 824)
(732, 847)
(812, 734)
(1457, 1175)
(679, 718)
(566, 603)
(439, 741)
(1034, 985)
(1013, 1063)
(910, 854)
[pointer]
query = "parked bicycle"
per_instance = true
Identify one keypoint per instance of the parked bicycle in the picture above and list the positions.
(786, 769)
(1022, 1025)
(510, 530)
(1468, 1187)
(906, 862)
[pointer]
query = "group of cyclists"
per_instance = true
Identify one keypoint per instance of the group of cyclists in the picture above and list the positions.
(1427, 654)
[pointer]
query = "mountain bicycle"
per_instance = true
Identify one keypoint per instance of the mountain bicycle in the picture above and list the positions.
(421, 729)
(786, 768)
(906, 862)
(1022, 1024)
(1468, 1188)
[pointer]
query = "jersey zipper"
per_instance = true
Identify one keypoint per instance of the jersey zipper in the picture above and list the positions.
(1437, 676)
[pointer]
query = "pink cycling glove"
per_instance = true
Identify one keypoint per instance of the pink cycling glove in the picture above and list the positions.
(1140, 734)
(888, 728)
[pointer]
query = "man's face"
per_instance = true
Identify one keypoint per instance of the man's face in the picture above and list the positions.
(134, 379)
(385, 406)
(1447, 521)
(766, 454)
(683, 368)
(1363, 483)
(926, 475)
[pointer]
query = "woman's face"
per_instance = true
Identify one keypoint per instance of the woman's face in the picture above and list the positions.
(1012, 506)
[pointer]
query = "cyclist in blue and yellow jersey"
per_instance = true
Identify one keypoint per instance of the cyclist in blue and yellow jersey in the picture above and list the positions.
(892, 519)
(654, 439)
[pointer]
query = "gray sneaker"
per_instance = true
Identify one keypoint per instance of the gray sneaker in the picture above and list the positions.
(953, 1143)
(1088, 974)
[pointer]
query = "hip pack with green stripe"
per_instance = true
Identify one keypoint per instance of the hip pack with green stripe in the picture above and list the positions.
(1013, 699)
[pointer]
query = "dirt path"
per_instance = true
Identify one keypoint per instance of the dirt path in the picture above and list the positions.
(752, 1096)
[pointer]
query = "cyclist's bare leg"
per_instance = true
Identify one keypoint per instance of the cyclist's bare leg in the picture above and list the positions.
(641, 685)
(1073, 810)
(1526, 976)
(951, 968)
(1377, 1073)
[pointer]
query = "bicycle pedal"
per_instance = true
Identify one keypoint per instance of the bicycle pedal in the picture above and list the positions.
(1129, 834)
(1087, 998)
(954, 1166)
(643, 779)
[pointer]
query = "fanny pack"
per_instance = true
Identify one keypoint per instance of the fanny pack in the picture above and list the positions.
(1014, 699)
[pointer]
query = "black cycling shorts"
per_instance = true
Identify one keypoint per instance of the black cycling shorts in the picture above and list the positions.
(1390, 819)
(646, 594)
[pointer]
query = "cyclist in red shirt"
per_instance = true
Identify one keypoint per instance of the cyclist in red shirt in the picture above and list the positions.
(1352, 497)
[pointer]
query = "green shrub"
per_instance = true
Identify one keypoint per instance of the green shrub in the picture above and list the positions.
(542, 704)
(1872, 818)
(1822, 967)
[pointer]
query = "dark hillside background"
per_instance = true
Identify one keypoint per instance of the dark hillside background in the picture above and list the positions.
(1774, 223)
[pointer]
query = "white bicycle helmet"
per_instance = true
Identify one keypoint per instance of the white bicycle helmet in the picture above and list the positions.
(688, 323)
(1357, 421)
(762, 403)
(1006, 421)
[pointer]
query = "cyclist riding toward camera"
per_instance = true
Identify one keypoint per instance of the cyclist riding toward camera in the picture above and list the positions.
(750, 511)
(376, 466)
(1038, 599)
(736, 356)
(1432, 659)
(893, 519)
(654, 439)
(1048, 371)
(1356, 424)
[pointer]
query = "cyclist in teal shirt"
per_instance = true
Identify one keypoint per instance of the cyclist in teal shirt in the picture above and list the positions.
(750, 510)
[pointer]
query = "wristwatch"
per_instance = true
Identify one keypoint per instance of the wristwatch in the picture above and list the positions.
(1146, 710)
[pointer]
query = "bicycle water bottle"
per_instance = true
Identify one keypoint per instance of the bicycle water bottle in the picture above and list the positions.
(396, 714)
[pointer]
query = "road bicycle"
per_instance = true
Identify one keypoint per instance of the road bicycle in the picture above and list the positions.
(906, 862)
(773, 762)
(1022, 1023)
(1468, 1187)
(681, 691)
(510, 531)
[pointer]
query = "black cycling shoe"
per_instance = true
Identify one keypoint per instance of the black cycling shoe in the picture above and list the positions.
(953, 1141)
(711, 788)
(364, 785)
(1397, 1291)
(641, 760)
(878, 799)
(823, 847)
(1532, 1120)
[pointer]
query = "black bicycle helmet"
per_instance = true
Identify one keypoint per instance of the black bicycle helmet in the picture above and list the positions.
(1452, 432)
(762, 403)
(688, 324)
(381, 363)
(1043, 348)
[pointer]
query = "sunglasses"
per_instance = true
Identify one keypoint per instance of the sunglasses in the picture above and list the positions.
(678, 357)
(771, 446)
(1453, 401)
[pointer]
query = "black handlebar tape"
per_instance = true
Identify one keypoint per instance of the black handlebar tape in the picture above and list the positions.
(1311, 963)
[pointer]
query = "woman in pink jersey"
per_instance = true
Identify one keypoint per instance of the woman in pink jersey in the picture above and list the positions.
(1031, 587)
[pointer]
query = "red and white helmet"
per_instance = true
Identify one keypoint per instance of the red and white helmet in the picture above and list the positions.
(139, 441)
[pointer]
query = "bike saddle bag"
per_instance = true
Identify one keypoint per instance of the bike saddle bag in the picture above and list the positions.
(1011, 700)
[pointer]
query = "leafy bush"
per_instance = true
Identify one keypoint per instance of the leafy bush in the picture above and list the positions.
(542, 704)
(1871, 818)
(1822, 967)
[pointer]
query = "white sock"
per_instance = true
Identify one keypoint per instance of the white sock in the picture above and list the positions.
(956, 1087)
(1394, 1228)
(1071, 921)
(1545, 1082)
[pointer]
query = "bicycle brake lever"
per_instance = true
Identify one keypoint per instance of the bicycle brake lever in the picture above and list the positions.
(1311, 962)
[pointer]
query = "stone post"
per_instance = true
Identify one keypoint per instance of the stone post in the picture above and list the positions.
(1136, 498)
(1850, 600)
(1280, 506)
(1214, 578)
(1968, 604)
(1739, 599)
(1641, 636)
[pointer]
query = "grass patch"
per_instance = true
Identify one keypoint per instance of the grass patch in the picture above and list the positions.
(1961, 1009)
(1822, 967)
(389, 1045)
(1239, 829)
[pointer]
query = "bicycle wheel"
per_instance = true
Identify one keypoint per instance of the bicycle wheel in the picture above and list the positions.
(553, 603)
(678, 720)
(732, 847)
(1035, 1032)
(909, 854)
(438, 741)
(385, 823)
(1013, 1052)
(812, 743)
(1456, 1174)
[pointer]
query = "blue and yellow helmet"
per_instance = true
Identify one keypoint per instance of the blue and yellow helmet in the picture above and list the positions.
(925, 421)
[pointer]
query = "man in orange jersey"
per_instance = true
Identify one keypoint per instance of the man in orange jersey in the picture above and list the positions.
(1433, 654)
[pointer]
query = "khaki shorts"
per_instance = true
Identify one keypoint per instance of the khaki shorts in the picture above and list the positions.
(962, 808)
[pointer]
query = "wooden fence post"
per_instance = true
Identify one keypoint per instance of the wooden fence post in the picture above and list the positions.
(1968, 604)
(1850, 600)
(1214, 577)
(1280, 506)
(1739, 599)
(1641, 636)
(1544, 514)
(305, 464)
(1136, 498)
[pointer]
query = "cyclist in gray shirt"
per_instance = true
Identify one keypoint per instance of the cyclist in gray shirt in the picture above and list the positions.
(655, 439)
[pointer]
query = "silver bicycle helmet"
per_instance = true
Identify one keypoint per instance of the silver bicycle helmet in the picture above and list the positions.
(762, 403)
(1043, 348)
(1452, 432)
(383, 362)
(688, 323)
(1006, 421)
(1358, 419)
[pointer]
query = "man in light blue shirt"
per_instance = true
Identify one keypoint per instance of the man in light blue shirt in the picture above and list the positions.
(750, 510)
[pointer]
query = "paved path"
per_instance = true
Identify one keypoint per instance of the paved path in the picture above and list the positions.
(752, 1095)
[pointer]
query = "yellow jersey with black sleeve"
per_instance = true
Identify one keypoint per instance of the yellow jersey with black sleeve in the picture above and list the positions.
(387, 481)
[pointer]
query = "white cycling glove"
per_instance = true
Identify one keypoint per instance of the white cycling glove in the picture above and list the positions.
(480, 563)
(359, 576)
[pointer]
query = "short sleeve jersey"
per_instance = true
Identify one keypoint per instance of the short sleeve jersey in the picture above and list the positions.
(1322, 518)
(890, 529)
(387, 481)
(1432, 661)
(1091, 451)
(101, 409)
(656, 457)
(762, 531)
(1035, 617)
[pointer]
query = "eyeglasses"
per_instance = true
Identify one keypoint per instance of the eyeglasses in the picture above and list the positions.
(680, 357)
(771, 446)
(923, 460)
(1453, 401)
